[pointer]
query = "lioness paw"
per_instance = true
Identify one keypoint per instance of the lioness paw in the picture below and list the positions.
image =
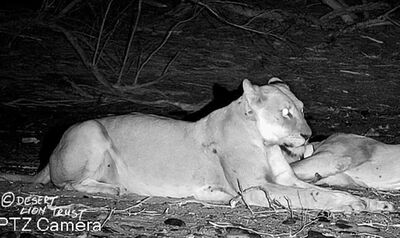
(370, 205)
(349, 203)
(376, 205)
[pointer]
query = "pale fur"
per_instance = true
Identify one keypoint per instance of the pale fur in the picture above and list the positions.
(207, 159)
(350, 160)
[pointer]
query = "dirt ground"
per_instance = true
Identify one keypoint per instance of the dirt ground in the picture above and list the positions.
(347, 77)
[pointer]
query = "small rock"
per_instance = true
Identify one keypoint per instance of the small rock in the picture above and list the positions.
(289, 221)
(174, 222)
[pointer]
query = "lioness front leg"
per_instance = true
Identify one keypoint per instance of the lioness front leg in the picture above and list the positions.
(312, 198)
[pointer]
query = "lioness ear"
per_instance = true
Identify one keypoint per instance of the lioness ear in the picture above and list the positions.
(251, 92)
(252, 96)
(275, 80)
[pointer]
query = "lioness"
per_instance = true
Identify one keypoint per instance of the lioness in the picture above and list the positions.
(350, 160)
(208, 159)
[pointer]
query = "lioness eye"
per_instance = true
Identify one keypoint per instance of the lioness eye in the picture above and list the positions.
(285, 113)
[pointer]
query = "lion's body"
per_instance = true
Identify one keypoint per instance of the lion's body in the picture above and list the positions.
(145, 151)
(350, 160)
(207, 159)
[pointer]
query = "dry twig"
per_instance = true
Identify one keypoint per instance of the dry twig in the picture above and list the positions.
(242, 27)
(205, 204)
(137, 204)
(356, 8)
(93, 68)
(96, 52)
(128, 47)
(141, 66)
(382, 20)
(241, 194)
(108, 217)
(68, 8)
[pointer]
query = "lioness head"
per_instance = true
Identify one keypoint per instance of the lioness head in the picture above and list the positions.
(278, 113)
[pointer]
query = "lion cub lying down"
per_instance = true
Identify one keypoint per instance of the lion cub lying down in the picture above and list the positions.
(241, 143)
(350, 160)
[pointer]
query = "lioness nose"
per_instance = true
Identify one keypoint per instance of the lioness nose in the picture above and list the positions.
(305, 136)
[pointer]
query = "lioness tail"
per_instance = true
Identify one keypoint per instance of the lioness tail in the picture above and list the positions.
(42, 177)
